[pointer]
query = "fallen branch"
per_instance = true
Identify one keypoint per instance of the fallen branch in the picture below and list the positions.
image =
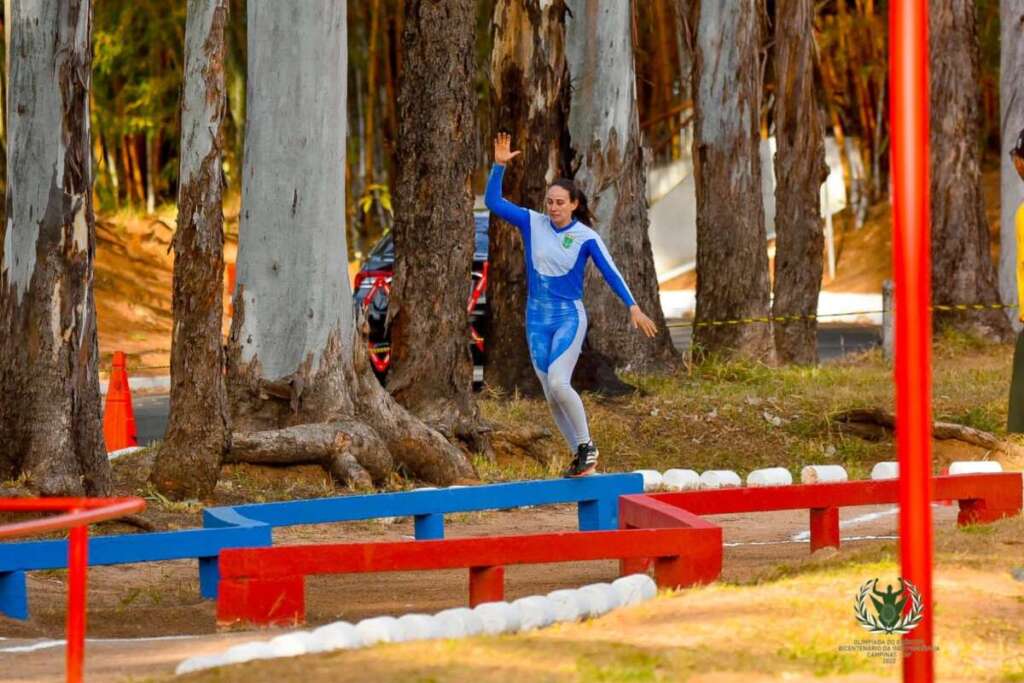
(525, 439)
(867, 421)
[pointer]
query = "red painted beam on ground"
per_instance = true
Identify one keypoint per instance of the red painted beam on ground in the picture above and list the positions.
(265, 585)
(991, 495)
(703, 560)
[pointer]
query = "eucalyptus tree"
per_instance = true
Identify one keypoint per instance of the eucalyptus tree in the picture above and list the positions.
(962, 268)
(50, 408)
(732, 259)
(188, 461)
(299, 382)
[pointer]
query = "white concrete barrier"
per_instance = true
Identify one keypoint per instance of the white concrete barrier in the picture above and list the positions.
(885, 470)
(680, 480)
(603, 598)
(567, 605)
(652, 479)
(716, 479)
(340, 635)
(380, 630)
(498, 617)
(471, 624)
(634, 589)
(418, 626)
(536, 612)
(247, 652)
(290, 644)
(820, 474)
(770, 476)
(975, 467)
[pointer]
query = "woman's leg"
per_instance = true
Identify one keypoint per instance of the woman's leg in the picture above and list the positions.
(566, 344)
(538, 339)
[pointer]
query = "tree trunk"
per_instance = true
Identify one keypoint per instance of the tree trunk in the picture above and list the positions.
(683, 20)
(434, 230)
(50, 412)
(732, 257)
(962, 268)
(188, 462)
(1011, 189)
(609, 167)
(800, 169)
(531, 95)
(294, 357)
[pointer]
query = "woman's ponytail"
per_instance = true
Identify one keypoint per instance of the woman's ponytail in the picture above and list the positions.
(582, 211)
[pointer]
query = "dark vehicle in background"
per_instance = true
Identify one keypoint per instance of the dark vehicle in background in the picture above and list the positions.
(372, 291)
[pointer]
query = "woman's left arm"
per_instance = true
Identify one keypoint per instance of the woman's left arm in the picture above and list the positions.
(604, 262)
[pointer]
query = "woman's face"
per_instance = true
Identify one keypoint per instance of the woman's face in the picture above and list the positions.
(560, 206)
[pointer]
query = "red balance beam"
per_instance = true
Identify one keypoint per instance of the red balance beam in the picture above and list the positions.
(267, 585)
(640, 511)
(982, 498)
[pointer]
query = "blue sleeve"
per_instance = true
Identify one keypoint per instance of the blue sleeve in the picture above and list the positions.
(501, 207)
(611, 274)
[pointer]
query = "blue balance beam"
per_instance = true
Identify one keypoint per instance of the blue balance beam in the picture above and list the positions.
(202, 544)
(251, 526)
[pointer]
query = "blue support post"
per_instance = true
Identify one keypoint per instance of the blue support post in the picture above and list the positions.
(601, 514)
(429, 526)
(13, 595)
(209, 576)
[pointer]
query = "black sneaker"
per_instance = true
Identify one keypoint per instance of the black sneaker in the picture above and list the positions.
(585, 461)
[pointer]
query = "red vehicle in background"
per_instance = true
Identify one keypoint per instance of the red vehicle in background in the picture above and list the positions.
(371, 292)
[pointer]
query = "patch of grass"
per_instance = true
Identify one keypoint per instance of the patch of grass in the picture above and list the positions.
(630, 667)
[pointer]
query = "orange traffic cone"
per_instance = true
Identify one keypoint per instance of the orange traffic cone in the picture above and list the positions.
(118, 416)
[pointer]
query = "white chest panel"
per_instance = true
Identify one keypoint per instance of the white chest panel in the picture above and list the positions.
(555, 253)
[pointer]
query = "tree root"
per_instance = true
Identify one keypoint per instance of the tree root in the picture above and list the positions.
(525, 440)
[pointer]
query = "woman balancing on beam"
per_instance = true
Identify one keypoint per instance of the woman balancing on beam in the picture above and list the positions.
(557, 246)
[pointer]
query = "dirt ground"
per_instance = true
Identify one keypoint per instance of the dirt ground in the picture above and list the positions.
(159, 602)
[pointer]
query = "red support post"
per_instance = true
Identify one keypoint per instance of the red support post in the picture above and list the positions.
(78, 562)
(486, 584)
(908, 60)
(824, 528)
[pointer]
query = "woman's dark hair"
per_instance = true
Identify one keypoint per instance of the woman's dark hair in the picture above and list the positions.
(582, 212)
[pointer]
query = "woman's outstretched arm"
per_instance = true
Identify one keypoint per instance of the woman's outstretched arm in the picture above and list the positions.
(604, 262)
(501, 207)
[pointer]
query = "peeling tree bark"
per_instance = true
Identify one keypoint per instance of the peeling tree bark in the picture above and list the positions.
(609, 166)
(432, 370)
(50, 407)
(732, 258)
(1011, 189)
(962, 268)
(530, 91)
(800, 169)
(294, 356)
(189, 458)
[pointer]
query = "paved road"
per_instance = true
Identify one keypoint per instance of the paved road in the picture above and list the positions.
(833, 342)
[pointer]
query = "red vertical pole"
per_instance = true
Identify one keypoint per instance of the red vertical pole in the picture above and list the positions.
(908, 59)
(78, 560)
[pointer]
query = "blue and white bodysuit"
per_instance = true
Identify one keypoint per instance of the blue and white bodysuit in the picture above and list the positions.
(556, 322)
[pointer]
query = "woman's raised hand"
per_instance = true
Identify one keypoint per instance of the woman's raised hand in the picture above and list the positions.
(503, 149)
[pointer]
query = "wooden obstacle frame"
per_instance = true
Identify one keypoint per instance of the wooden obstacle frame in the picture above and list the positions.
(266, 586)
(246, 526)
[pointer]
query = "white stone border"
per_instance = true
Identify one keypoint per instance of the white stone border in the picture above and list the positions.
(492, 618)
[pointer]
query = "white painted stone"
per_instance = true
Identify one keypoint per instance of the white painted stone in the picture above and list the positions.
(339, 635)
(770, 476)
(716, 479)
(635, 588)
(290, 644)
(380, 630)
(536, 612)
(820, 474)
(567, 605)
(450, 625)
(498, 617)
(247, 652)
(199, 663)
(975, 467)
(471, 622)
(419, 627)
(604, 598)
(885, 470)
(680, 480)
(652, 479)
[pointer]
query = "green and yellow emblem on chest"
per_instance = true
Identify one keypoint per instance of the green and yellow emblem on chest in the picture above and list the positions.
(567, 241)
